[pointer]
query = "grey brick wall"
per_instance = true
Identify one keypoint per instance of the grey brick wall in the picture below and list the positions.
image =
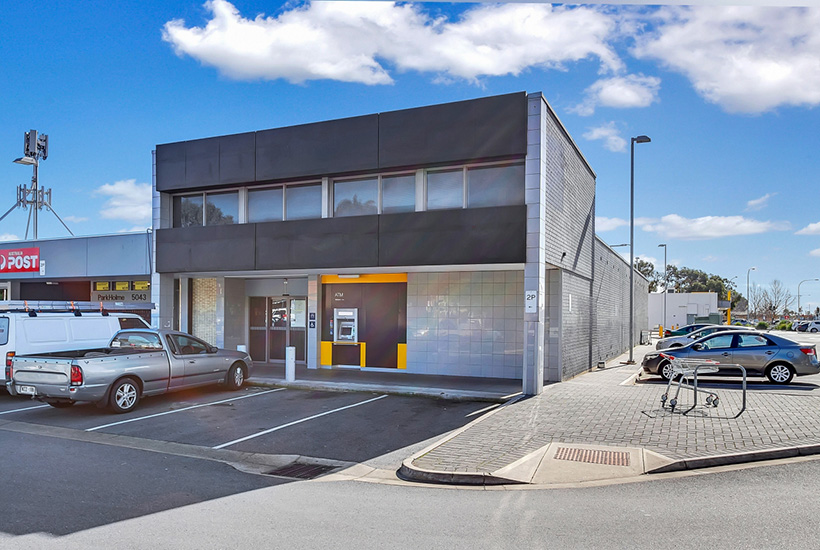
(576, 324)
(203, 317)
(610, 304)
(569, 202)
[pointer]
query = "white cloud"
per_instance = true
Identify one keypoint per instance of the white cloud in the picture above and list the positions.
(650, 259)
(815, 252)
(759, 204)
(608, 224)
(127, 200)
(610, 135)
(9, 237)
(811, 229)
(747, 59)
(75, 219)
(634, 90)
(710, 227)
(362, 41)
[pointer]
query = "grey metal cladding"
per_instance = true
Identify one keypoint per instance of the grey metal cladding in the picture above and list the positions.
(170, 166)
(209, 248)
(202, 162)
(331, 147)
(237, 158)
(318, 243)
(445, 237)
(485, 128)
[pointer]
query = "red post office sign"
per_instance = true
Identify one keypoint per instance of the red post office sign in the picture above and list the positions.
(19, 260)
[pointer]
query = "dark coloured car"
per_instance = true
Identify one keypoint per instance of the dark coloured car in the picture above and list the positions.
(686, 329)
(777, 358)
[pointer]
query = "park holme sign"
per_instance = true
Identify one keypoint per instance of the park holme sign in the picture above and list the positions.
(19, 260)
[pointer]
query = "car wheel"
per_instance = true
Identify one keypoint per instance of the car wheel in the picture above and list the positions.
(814, 330)
(665, 370)
(61, 404)
(236, 377)
(780, 373)
(125, 394)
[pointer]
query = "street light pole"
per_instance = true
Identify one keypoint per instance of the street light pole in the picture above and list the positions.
(799, 312)
(748, 295)
(665, 283)
(633, 141)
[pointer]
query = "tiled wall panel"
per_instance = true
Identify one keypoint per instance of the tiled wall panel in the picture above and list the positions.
(466, 323)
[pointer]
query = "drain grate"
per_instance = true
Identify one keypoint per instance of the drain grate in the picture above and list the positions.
(592, 456)
(301, 471)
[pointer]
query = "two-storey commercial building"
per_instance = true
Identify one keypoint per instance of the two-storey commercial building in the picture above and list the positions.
(455, 239)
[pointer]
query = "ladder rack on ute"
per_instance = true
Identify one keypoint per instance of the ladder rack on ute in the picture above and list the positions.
(69, 306)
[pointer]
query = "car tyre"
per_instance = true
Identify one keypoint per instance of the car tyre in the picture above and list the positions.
(780, 373)
(125, 394)
(236, 377)
(814, 330)
(665, 370)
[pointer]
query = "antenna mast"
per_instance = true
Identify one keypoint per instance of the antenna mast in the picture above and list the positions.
(35, 147)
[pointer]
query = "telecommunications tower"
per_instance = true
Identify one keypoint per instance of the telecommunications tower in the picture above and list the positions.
(35, 147)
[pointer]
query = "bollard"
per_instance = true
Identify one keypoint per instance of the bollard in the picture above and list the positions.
(290, 364)
(660, 332)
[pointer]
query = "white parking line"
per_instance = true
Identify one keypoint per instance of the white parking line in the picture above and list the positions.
(25, 409)
(181, 410)
(246, 438)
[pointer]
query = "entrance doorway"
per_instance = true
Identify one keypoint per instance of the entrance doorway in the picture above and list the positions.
(275, 323)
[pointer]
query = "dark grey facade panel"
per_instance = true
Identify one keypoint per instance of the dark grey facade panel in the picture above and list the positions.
(214, 248)
(202, 162)
(486, 128)
(469, 236)
(444, 237)
(237, 158)
(479, 129)
(331, 147)
(330, 242)
(170, 160)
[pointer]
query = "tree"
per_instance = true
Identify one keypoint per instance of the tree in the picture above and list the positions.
(647, 269)
(775, 300)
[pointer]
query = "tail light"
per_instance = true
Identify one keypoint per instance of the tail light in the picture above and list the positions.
(76, 376)
(808, 351)
(9, 370)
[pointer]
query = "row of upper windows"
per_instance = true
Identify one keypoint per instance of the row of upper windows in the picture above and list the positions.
(465, 187)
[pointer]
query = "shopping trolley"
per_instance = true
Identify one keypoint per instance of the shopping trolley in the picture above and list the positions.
(684, 370)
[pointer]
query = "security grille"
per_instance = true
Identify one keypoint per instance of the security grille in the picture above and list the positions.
(301, 471)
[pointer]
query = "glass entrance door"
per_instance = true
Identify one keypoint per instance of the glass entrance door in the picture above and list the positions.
(276, 323)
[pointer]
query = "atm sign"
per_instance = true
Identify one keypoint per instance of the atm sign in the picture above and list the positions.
(19, 260)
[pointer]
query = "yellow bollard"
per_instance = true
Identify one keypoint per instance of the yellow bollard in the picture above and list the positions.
(660, 332)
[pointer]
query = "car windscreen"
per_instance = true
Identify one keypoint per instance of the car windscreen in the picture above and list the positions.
(137, 340)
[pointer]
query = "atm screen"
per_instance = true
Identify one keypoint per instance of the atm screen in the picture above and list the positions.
(346, 331)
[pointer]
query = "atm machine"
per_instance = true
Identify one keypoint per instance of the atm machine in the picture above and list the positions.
(346, 324)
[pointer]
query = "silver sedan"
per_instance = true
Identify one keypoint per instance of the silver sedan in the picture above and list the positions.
(777, 358)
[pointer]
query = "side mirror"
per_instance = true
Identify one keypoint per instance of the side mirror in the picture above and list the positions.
(213, 349)
(697, 347)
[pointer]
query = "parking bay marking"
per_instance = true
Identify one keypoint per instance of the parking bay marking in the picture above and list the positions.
(271, 430)
(181, 410)
(24, 409)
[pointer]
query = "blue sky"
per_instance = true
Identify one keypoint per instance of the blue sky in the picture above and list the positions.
(729, 96)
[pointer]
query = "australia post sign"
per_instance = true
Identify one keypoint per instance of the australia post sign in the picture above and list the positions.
(19, 260)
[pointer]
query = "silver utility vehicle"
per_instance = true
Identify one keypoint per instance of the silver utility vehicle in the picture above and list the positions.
(136, 363)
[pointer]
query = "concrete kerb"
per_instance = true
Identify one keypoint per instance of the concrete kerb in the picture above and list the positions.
(410, 472)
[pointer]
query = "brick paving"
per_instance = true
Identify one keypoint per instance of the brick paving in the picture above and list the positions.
(595, 408)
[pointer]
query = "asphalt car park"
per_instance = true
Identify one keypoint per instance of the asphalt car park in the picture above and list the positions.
(344, 426)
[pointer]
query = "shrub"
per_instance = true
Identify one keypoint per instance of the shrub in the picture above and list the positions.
(784, 325)
(762, 325)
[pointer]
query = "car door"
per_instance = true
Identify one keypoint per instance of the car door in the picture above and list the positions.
(199, 367)
(754, 352)
(717, 347)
